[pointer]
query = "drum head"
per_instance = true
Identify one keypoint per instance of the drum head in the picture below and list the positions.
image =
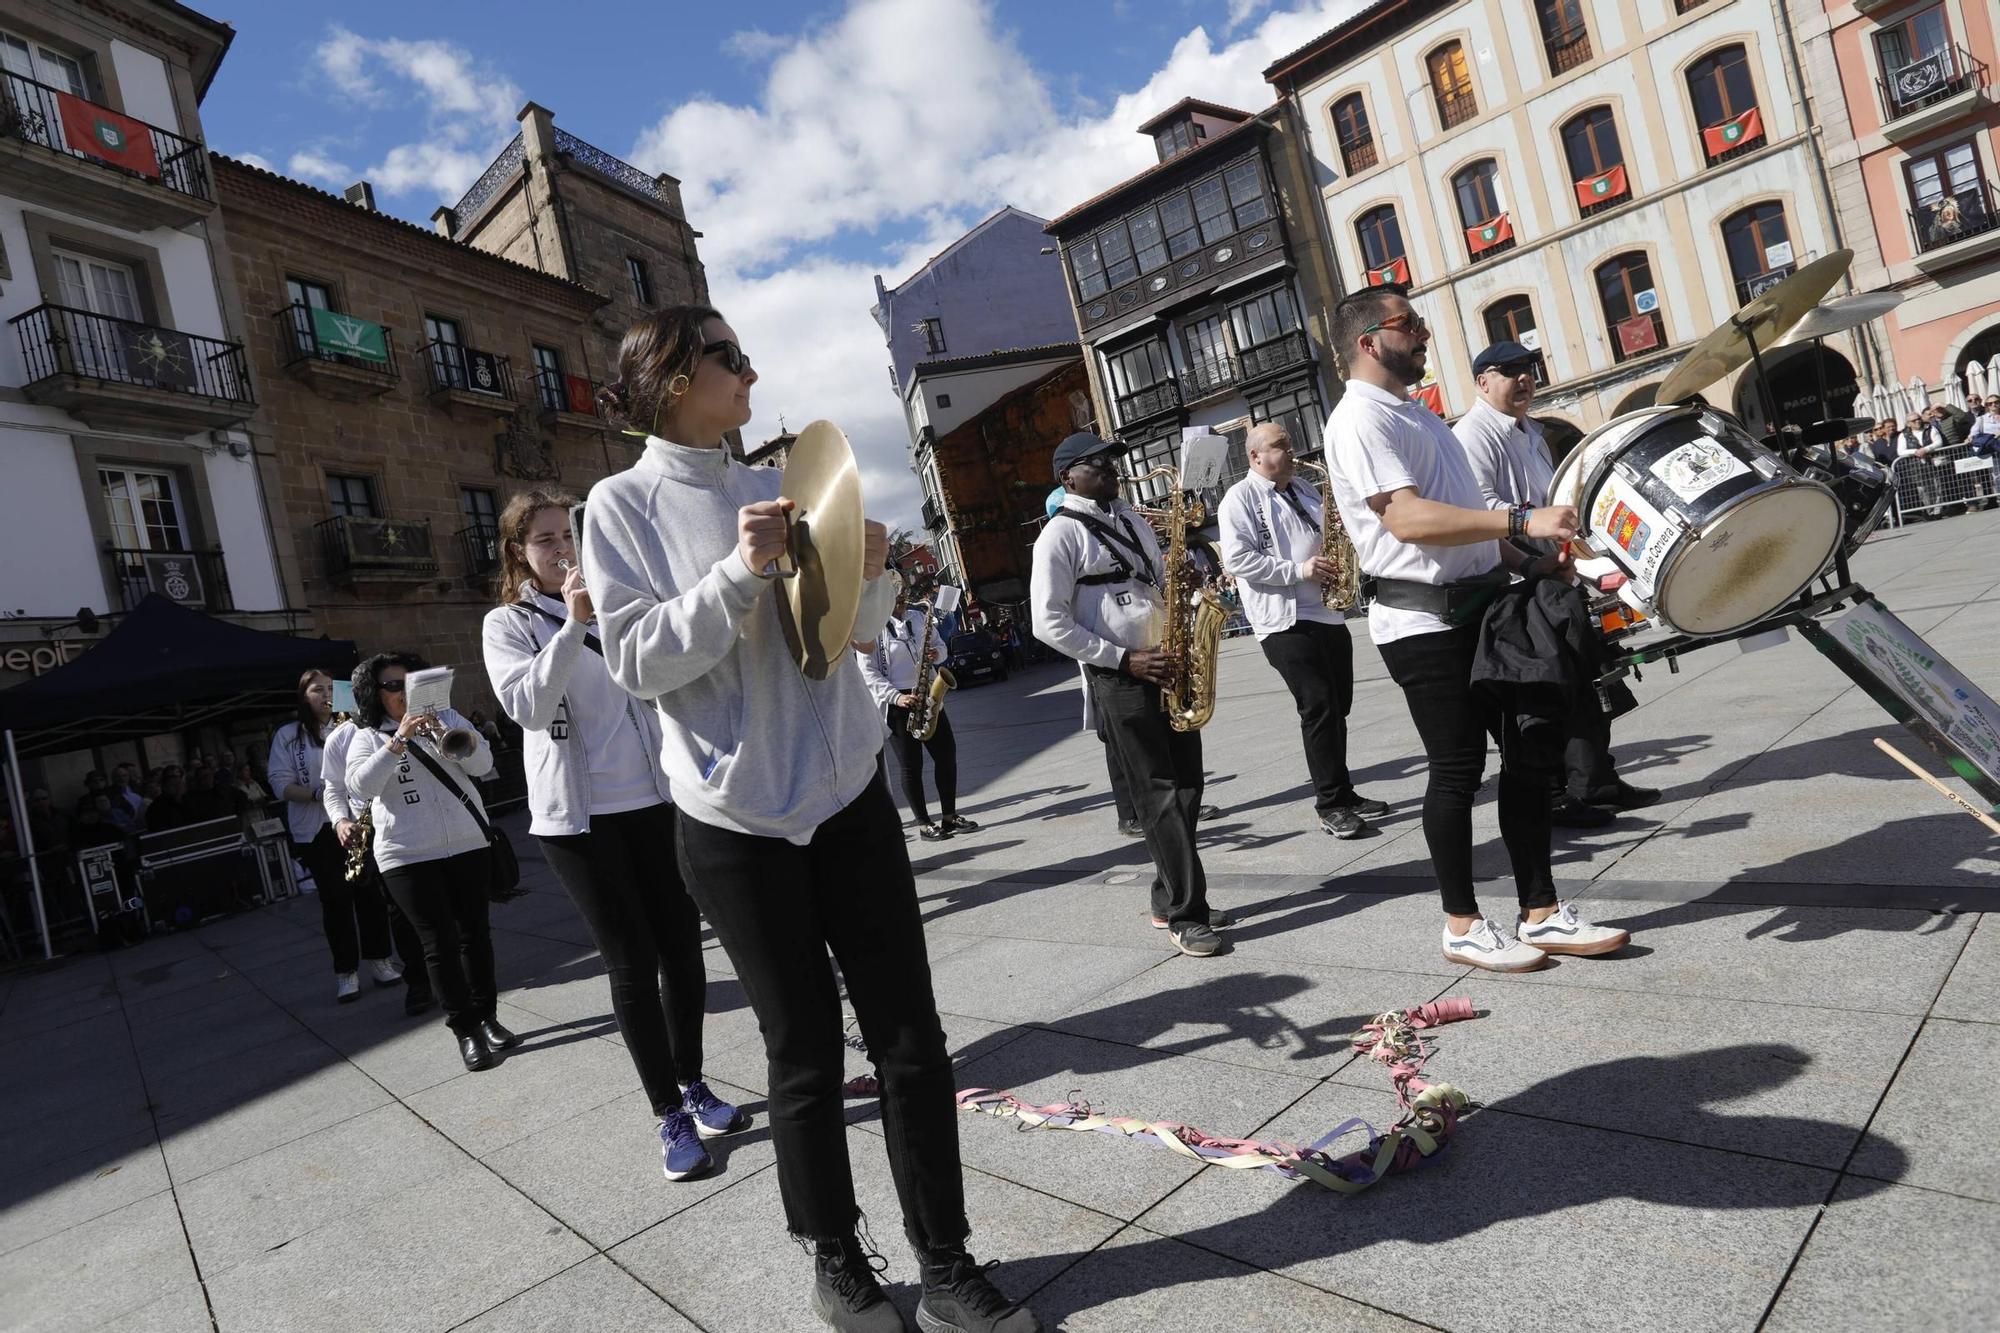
(1750, 560)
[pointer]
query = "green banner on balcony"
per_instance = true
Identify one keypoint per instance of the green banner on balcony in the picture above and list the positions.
(344, 335)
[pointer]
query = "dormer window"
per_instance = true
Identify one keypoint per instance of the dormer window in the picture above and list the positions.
(1177, 138)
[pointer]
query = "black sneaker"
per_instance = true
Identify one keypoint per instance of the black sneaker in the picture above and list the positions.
(846, 1294)
(1623, 796)
(933, 832)
(1194, 939)
(958, 1299)
(957, 824)
(1366, 808)
(1342, 822)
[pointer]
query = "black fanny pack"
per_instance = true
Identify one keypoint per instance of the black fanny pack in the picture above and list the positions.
(1459, 603)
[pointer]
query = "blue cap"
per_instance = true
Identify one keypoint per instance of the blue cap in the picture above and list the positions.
(1504, 353)
(1056, 500)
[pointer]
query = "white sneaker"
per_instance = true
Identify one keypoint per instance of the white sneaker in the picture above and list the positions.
(1563, 931)
(1488, 945)
(346, 987)
(386, 973)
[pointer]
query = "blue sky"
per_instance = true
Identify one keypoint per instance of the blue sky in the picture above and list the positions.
(817, 145)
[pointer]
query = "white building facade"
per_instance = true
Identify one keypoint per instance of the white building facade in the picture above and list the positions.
(124, 391)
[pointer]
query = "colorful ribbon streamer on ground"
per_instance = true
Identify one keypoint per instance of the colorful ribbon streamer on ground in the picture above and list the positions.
(1431, 1114)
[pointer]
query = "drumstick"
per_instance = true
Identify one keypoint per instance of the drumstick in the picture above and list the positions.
(1942, 790)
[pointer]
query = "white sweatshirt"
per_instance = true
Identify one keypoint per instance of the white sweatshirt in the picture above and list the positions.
(416, 817)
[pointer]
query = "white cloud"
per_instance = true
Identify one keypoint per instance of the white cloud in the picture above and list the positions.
(754, 45)
(904, 114)
(310, 164)
(468, 108)
(257, 160)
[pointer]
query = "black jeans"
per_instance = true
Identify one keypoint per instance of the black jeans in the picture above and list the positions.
(1587, 762)
(445, 901)
(1316, 661)
(1435, 673)
(778, 908)
(1163, 770)
(625, 878)
(909, 750)
(354, 916)
(1121, 790)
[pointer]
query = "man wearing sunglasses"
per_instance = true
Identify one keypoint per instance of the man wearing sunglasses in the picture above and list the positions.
(1511, 462)
(1439, 556)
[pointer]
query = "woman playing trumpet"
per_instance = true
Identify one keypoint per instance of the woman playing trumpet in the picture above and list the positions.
(432, 852)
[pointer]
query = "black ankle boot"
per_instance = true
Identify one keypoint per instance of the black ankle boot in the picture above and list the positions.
(499, 1038)
(958, 1299)
(472, 1048)
(846, 1294)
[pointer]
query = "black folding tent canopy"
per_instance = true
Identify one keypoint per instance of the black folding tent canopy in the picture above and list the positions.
(163, 668)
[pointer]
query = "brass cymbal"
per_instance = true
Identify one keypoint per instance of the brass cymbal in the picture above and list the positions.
(1841, 314)
(1767, 318)
(819, 604)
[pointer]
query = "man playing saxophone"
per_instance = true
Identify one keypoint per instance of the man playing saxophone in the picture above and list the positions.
(1097, 592)
(1293, 573)
(895, 675)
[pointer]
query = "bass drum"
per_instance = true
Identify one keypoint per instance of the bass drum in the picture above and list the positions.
(1713, 531)
(1862, 486)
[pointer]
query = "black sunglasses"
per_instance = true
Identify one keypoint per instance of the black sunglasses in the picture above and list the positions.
(733, 359)
(390, 686)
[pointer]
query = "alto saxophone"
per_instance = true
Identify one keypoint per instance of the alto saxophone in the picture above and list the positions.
(1194, 615)
(932, 683)
(357, 855)
(1342, 590)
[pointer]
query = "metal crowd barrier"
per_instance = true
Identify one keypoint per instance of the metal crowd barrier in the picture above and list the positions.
(1953, 477)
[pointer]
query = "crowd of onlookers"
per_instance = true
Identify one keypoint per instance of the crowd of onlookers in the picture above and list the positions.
(129, 803)
(1925, 489)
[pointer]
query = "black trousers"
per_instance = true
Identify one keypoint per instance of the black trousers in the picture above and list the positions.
(354, 916)
(1163, 769)
(943, 748)
(1121, 790)
(1435, 673)
(445, 901)
(778, 908)
(624, 876)
(1316, 661)
(1587, 765)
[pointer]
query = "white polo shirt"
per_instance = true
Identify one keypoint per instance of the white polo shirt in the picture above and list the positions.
(1378, 442)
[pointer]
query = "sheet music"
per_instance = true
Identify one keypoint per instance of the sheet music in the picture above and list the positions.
(429, 690)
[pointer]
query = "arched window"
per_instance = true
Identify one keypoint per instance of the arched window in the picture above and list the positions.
(1382, 245)
(1631, 306)
(1351, 131)
(1451, 85)
(1725, 103)
(1478, 191)
(1563, 33)
(1512, 319)
(1596, 160)
(1759, 246)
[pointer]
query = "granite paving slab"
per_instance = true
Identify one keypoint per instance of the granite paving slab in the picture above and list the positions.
(1016, 981)
(54, 1197)
(533, 1088)
(1972, 991)
(98, 1270)
(1886, 1259)
(596, 1295)
(1919, 1137)
(282, 1093)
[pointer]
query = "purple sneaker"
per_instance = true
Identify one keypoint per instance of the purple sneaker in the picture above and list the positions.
(681, 1153)
(712, 1115)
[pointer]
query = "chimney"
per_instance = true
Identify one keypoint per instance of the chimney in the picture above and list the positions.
(361, 194)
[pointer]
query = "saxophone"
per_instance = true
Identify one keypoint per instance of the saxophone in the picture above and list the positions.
(1343, 590)
(357, 855)
(932, 683)
(1194, 618)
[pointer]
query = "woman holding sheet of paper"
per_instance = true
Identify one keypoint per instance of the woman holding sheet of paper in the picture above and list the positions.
(430, 842)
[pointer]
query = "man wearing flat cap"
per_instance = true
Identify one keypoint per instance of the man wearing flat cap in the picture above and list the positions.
(1096, 592)
(1510, 461)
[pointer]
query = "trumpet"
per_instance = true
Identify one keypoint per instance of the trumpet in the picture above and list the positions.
(451, 742)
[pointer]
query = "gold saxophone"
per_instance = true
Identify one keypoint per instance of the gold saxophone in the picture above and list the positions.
(932, 683)
(1195, 616)
(1343, 590)
(357, 855)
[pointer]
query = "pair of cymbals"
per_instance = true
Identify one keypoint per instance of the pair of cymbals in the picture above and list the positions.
(1759, 326)
(820, 578)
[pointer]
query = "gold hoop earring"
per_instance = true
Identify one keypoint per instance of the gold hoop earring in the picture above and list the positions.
(684, 384)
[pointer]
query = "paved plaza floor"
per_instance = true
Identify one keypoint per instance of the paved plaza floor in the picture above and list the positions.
(1769, 1112)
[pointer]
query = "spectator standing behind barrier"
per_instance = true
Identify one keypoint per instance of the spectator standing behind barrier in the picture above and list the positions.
(1920, 442)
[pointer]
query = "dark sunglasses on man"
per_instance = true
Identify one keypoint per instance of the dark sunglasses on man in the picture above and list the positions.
(733, 359)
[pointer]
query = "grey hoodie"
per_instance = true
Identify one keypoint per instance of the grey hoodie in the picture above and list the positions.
(541, 668)
(749, 743)
(416, 817)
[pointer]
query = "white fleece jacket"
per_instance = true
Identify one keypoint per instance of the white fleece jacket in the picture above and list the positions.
(749, 743)
(416, 817)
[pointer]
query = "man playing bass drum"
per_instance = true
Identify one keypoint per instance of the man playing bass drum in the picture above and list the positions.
(893, 673)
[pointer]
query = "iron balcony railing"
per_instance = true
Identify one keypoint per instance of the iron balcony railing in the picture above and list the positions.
(1609, 201)
(33, 111)
(1456, 108)
(1937, 77)
(1358, 154)
(1492, 251)
(1207, 375)
(58, 340)
(354, 546)
(456, 366)
(553, 393)
(192, 578)
(1567, 50)
(1966, 212)
(299, 341)
(481, 544)
(1750, 288)
(933, 517)
(1749, 143)
(1152, 401)
(1274, 354)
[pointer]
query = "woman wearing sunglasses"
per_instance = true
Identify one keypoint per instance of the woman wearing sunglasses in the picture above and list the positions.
(431, 850)
(598, 803)
(789, 841)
